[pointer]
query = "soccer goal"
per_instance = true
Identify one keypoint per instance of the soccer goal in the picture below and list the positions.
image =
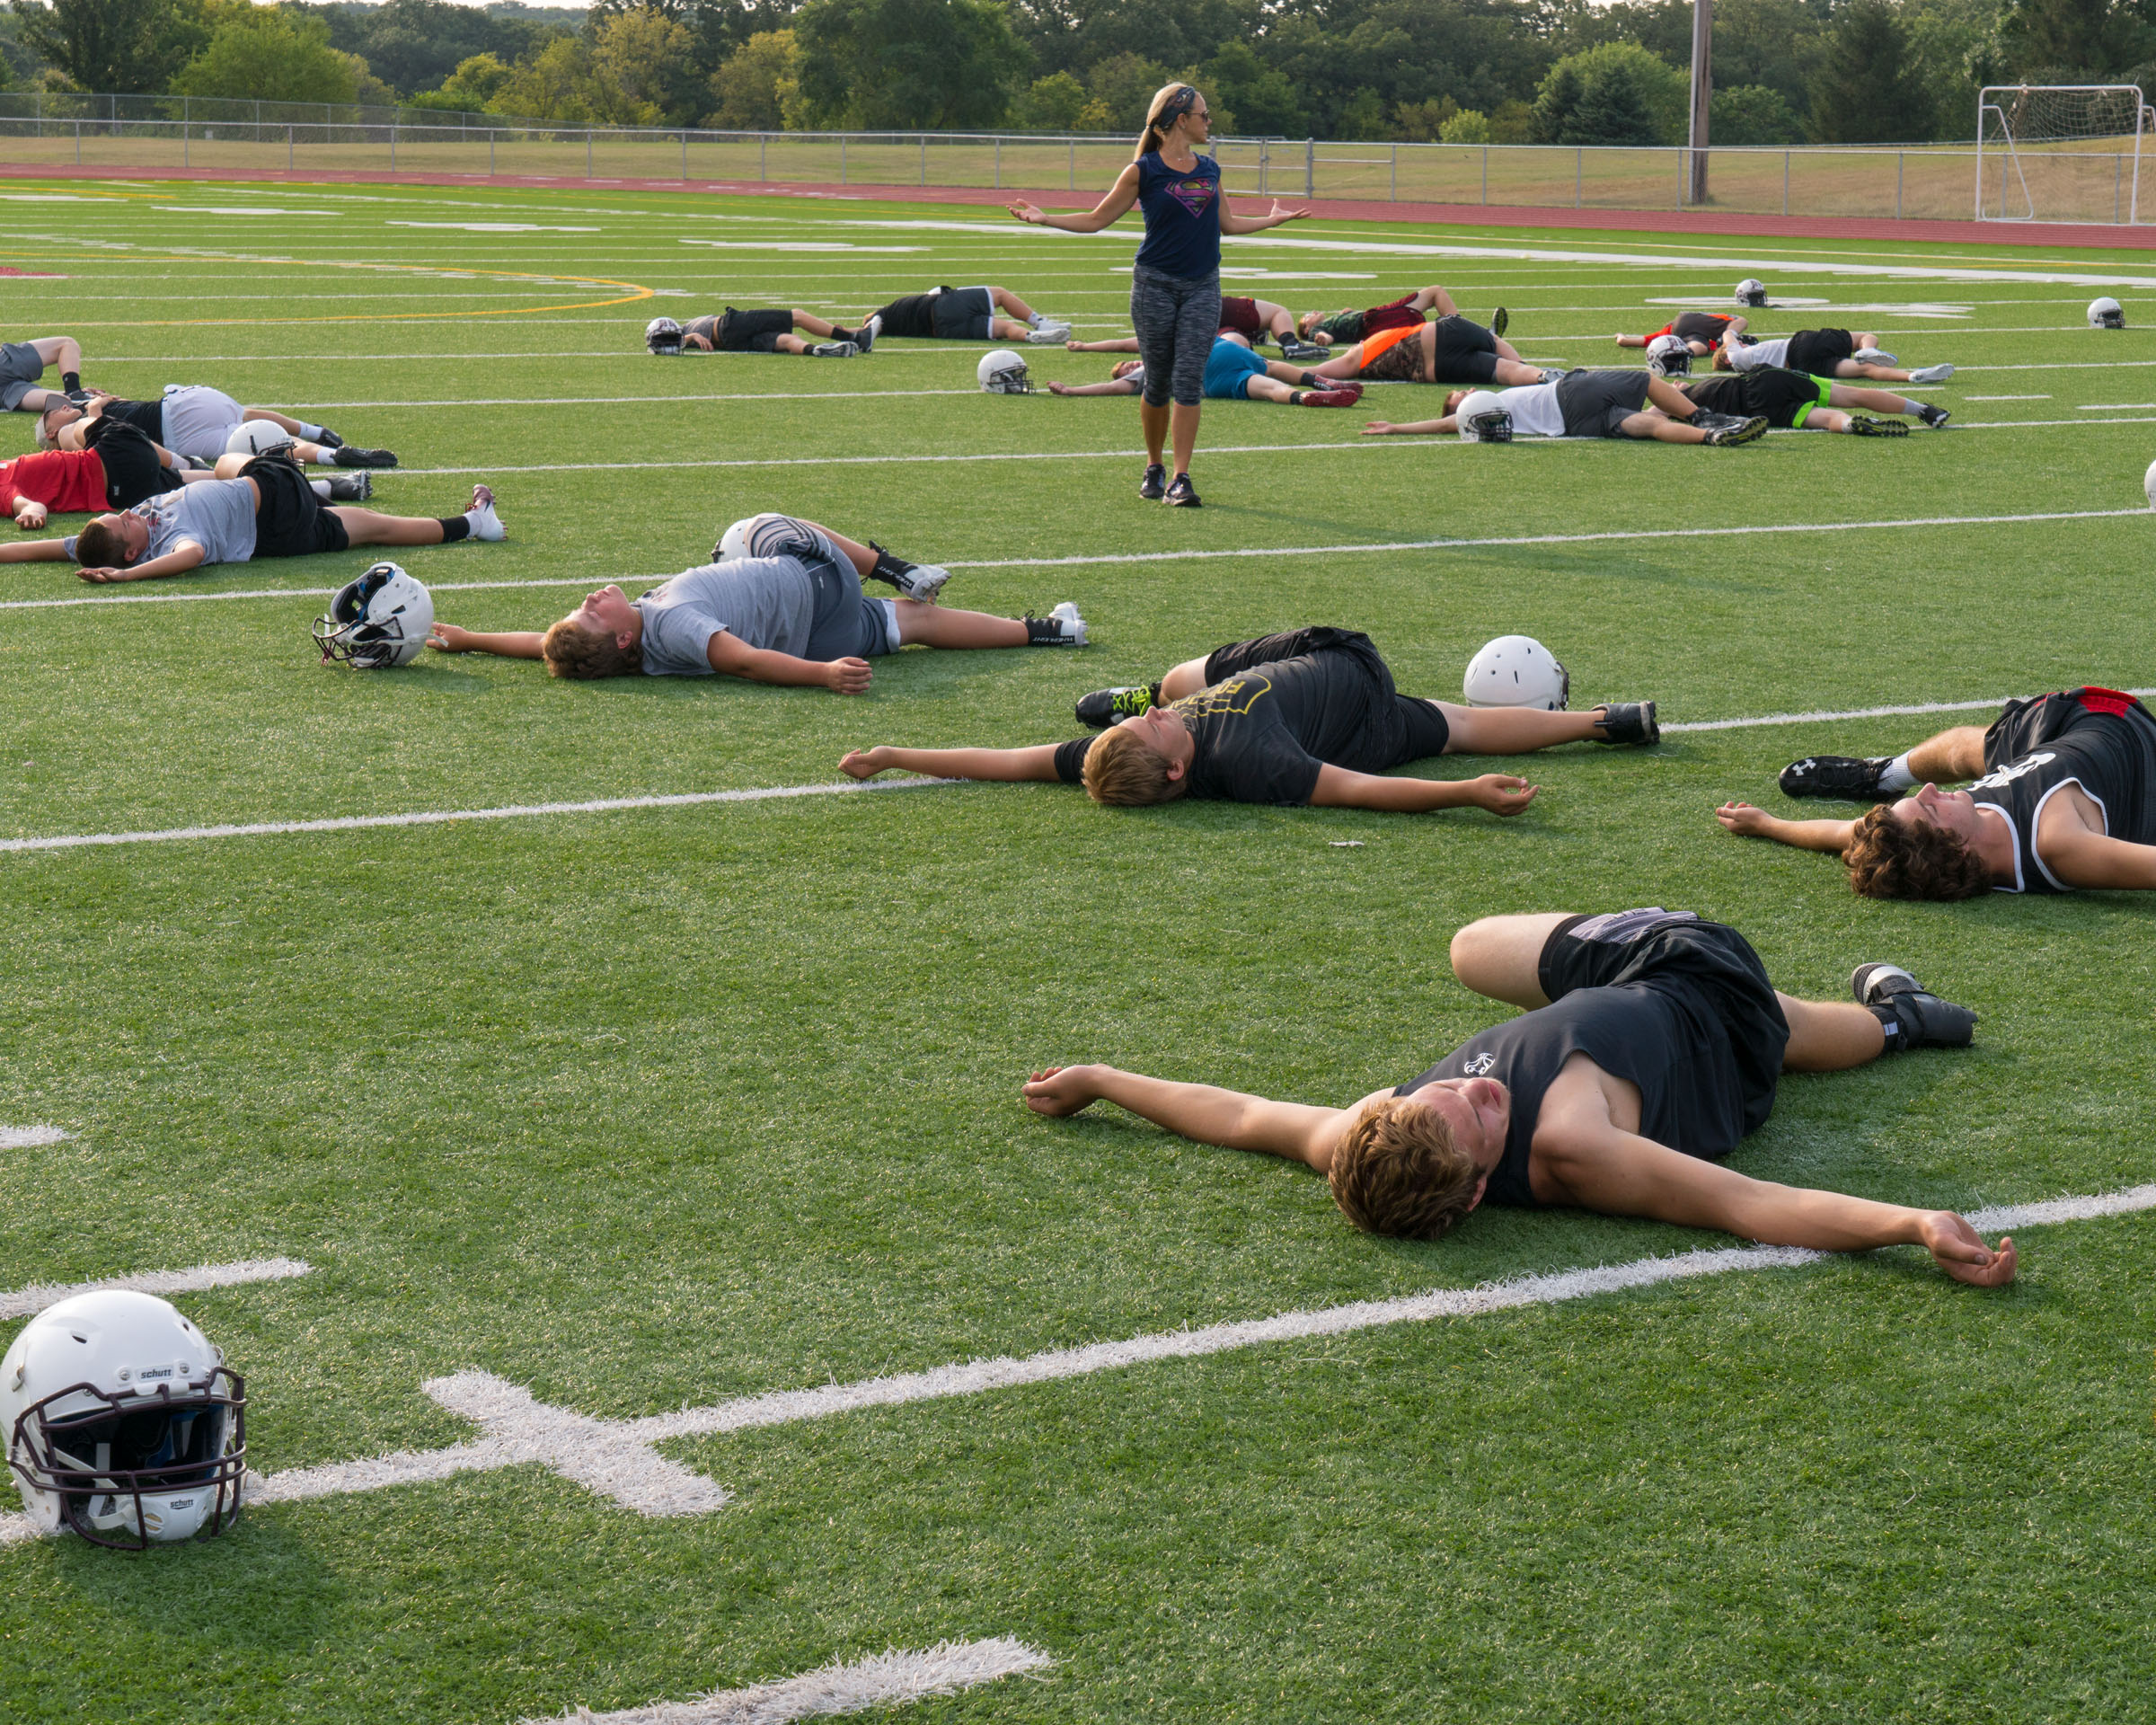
(2059, 152)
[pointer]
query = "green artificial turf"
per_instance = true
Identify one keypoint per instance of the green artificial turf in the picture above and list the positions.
(656, 1107)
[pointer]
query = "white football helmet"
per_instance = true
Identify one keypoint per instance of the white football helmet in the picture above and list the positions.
(121, 1421)
(2107, 313)
(1474, 405)
(1516, 671)
(1750, 291)
(258, 438)
(663, 335)
(1004, 373)
(2148, 484)
(379, 621)
(733, 544)
(1669, 355)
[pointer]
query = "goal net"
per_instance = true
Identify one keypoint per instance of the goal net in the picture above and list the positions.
(2059, 152)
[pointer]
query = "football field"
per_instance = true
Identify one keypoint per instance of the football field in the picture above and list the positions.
(632, 1100)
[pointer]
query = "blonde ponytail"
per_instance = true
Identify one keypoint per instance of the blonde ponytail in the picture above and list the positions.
(1181, 98)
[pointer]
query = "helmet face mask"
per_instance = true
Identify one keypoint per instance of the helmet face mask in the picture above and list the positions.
(258, 438)
(121, 1422)
(663, 335)
(2107, 313)
(1004, 373)
(1516, 671)
(1669, 355)
(1494, 426)
(380, 620)
(1750, 291)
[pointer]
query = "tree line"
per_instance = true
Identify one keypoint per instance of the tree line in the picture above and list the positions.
(1457, 71)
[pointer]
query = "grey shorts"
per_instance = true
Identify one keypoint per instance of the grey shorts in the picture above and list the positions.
(848, 624)
(20, 369)
(963, 314)
(1597, 404)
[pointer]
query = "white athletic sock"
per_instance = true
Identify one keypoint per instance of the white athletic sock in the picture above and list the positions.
(1036, 319)
(1909, 405)
(322, 487)
(1896, 775)
(323, 457)
(312, 433)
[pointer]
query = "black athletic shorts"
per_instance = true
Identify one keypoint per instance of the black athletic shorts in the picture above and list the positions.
(752, 332)
(1597, 404)
(1463, 352)
(1819, 351)
(1401, 728)
(1784, 397)
(1717, 980)
(132, 470)
(963, 314)
(910, 315)
(290, 521)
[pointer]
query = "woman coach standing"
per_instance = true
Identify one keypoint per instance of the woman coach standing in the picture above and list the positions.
(1175, 283)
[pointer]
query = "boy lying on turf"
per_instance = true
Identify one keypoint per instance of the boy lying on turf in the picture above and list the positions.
(197, 421)
(1825, 353)
(1604, 403)
(780, 603)
(1651, 1046)
(1310, 717)
(2066, 799)
(1232, 372)
(1796, 400)
(265, 509)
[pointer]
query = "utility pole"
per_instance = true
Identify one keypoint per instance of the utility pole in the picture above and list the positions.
(1703, 91)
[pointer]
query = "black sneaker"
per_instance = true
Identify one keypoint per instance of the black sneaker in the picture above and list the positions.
(921, 581)
(80, 396)
(1934, 418)
(1837, 775)
(1500, 321)
(1297, 351)
(1105, 707)
(833, 350)
(1920, 1018)
(344, 455)
(327, 438)
(1743, 431)
(1183, 495)
(1629, 722)
(864, 338)
(1154, 484)
(349, 487)
(1865, 428)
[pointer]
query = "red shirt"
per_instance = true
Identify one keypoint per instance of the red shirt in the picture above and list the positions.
(70, 481)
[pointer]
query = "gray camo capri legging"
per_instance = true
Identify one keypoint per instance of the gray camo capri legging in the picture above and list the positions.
(1175, 318)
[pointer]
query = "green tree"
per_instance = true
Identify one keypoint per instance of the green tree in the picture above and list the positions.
(1750, 113)
(1617, 93)
(556, 84)
(1259, 96)
(1055, 103)
(940, 65)
(122, 46)
(1468, 125)
(2057, 42)
(646, 55)
(272, 55)
(1865, 91)
(1124, 85)
(415, 45)
(757, 87)
(468, 89)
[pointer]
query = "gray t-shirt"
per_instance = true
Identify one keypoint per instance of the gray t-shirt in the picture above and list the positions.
(198, 420)
(215, 514)
(766, 599)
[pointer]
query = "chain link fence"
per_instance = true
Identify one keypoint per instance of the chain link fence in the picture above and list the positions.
(150, 133)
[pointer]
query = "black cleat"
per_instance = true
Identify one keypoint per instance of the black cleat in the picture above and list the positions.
(1297, 351)
(327, 438)
(1864, 428)
(1500, 321)
(1183, 495)
(343, 455)
(1105, 707)
(1629, 722)
(921, 581)
(80, 396)
(1154, 484)
(1913, 1017)
(349, 487)
(1837, 775)
(1934, 418)
(1730, 429)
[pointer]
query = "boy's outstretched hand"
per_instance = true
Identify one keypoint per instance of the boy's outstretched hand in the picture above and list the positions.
(1059, 1090)
(1959, 1250)
(1501, 793)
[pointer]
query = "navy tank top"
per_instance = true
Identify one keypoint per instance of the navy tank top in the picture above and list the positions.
(1182, 218)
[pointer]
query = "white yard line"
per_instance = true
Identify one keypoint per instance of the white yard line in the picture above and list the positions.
(891, 1679)
(1104, 559)
(615, 1458)
(30, 1137)
(22, 1302)
(439, 817)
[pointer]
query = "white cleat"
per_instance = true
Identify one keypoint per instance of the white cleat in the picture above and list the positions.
(1874, 356)
(1073, 624)
(485, 523)
(1931, 375)
(1048, 335)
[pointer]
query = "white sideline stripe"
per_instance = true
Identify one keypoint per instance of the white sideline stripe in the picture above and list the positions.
(889, 1679)
(28, 1138)
(1105, 558)
(614, 1458)
(24, 1302)
(613, 400)
(1855, 713)
(436, 817)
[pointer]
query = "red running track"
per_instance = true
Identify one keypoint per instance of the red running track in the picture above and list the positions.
(2088, 235)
